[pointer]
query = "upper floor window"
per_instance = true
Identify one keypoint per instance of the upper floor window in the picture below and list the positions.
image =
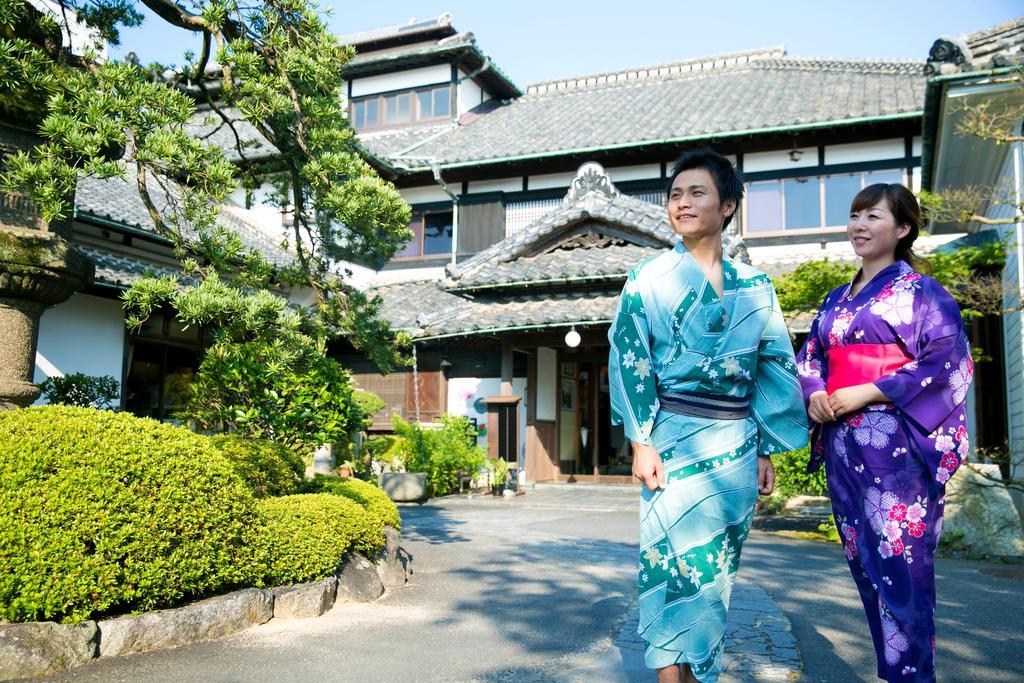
(398, 108)
(431, 235)
(812, 203)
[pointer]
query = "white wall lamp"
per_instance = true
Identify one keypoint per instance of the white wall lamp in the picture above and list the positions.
(572, 338)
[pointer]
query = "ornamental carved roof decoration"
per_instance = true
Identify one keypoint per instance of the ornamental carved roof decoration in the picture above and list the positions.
(596, 233)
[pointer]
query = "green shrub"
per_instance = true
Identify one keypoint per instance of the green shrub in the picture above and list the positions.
(81, 390)
(792, 479)
(267, 390)
(103, 511)
(441, 453)
(376, 502)
(268, 468)
(304, 537)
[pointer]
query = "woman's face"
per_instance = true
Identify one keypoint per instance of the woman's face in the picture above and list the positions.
(873, 232)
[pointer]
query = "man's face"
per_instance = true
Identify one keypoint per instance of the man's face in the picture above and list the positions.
(694, 208)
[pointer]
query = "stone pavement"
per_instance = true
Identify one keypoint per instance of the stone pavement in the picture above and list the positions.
(759, 645)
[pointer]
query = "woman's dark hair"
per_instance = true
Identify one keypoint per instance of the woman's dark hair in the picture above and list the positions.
(904, 207)
(727, 181)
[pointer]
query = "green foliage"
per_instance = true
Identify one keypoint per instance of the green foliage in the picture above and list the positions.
(304, 537)
(280, 71)
(792, 479)
(268, 468)
(81, 390)
(804, 288)
(105, 512)
(377, 504)
(269, 390)
(441, 453)
(369, 404)
(828, 528)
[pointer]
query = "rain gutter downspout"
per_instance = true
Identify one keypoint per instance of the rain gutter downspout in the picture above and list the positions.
(435, 168)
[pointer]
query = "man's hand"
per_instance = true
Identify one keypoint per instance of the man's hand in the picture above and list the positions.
(818, 408)
(851, 399)
(647, 466)
(765, 475)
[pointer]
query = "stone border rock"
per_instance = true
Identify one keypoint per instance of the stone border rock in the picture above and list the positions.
(37, 648)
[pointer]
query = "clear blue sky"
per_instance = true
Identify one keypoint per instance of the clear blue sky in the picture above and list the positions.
(536, 40)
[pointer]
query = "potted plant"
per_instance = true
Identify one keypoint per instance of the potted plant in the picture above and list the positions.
(499, 476)
(347, 469)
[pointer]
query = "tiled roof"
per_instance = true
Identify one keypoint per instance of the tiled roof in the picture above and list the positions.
(449, 314)
(117, 200)
(718, 96)
(208, 126)
(386, 144)
(1000, 45)
(406, 30)
(461, 47)
(592, 198)
(121, 270)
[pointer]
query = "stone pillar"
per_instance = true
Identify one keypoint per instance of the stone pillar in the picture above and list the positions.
(19, 334)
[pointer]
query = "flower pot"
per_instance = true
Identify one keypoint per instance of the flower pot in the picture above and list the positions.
(344, 471)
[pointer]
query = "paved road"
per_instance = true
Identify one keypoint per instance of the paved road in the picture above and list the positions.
(538, 589)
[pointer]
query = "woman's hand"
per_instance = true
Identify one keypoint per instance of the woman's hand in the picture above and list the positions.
(647, 466)
(765, 475)
(851, 399)
(818, 408)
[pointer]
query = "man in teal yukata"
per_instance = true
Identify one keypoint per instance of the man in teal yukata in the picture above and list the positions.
(703, 380)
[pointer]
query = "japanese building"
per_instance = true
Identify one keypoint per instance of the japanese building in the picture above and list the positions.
(530, 206)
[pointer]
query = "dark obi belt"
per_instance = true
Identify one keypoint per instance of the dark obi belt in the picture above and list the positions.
(696, 404)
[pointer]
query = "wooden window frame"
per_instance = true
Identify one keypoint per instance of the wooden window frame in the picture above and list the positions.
(905, 173)
(415, 116)
(421, 216)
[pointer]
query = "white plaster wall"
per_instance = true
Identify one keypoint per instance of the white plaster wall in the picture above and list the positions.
(778, 160)
(465, 397)
(400, 80)
(470, 94)
(548, 180)
(873, 150)
(500, 185)
(84, 334)
(424, 194)
(643, 172)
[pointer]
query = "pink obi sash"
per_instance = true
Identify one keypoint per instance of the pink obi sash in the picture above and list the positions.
(856, 364)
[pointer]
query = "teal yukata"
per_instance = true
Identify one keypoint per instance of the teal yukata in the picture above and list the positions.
(672, 333)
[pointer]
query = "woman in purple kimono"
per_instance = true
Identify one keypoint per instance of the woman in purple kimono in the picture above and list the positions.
(885, 373)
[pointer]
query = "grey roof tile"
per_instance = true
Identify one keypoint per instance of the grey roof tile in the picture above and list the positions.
(718, 96)
(117, 200)
(121, 270)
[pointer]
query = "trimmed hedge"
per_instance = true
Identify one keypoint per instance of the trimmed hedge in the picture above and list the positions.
(378, 506)
(792, 479)
(268, 468)
(103, 512)
(305, 536)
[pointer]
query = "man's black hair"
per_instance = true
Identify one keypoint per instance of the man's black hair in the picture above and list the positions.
(727, 180)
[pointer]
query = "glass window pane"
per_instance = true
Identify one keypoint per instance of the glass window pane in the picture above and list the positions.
(424, 105)
(442, 102)
(437, 233)
(764, 206)
(372, 113)
(413, 247)
(889, 176)
(839, 193)
(142, 385)
(398, 108)
(359, 115)
(803, 203)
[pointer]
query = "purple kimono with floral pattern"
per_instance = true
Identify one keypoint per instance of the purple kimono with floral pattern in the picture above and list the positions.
(888, 463)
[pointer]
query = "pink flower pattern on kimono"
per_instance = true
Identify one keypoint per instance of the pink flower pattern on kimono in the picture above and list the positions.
(895, 304)
(850, 544)
(840, 325)
(874, 429)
